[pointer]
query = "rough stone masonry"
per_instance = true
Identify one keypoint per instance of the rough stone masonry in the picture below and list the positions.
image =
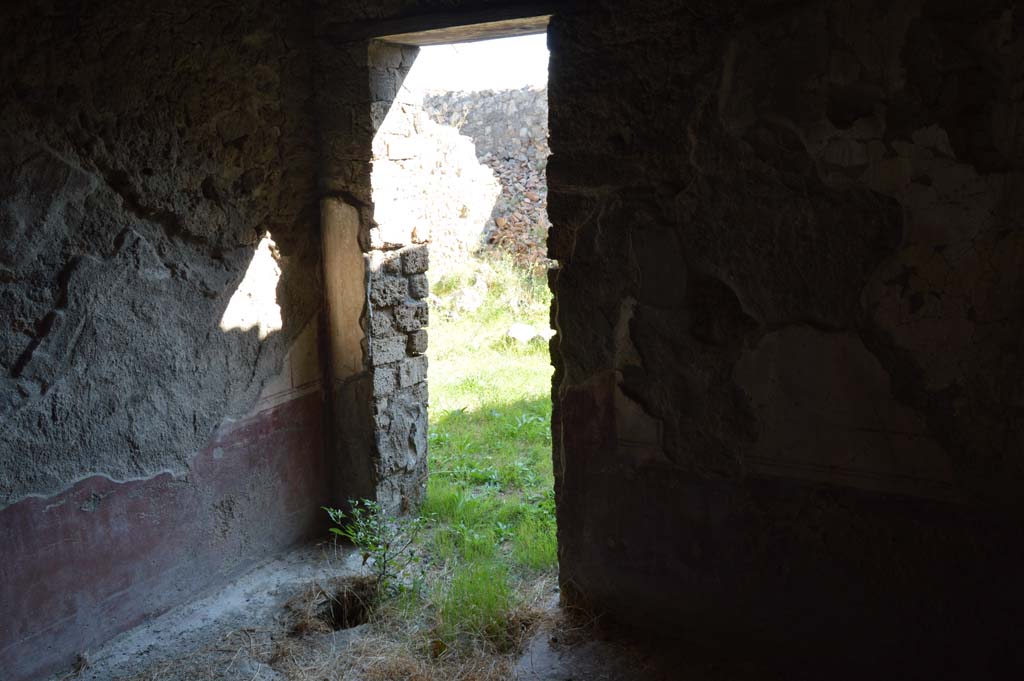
(398, 319)
(509, 129)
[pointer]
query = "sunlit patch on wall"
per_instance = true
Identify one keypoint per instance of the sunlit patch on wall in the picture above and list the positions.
(254, 302)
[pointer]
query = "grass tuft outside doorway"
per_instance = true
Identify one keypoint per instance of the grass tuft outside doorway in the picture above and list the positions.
(487, 566)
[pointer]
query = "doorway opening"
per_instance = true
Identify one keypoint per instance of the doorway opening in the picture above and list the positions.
(459, 166)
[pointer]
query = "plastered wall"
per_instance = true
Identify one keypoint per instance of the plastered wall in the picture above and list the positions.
(140, 173)
(788, 375)
(161, 398)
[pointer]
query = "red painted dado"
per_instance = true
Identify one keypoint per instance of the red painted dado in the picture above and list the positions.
(86, 564)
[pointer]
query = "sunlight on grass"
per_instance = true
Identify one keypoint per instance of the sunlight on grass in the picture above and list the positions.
(476, 605)
(534, 545)
(490, 494)
(485, 554)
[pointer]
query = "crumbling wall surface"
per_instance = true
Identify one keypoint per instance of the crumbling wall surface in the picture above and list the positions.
(140, 169)
(145, 151)
(503, 124)
(788, 381)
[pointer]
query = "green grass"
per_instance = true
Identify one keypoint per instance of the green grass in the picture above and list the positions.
(535, 546)
(490, 494)
(482, 565)
(484, 559)
(475, 605)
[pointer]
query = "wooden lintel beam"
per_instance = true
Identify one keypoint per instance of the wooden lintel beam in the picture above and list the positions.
(513, 18)
(472, 32)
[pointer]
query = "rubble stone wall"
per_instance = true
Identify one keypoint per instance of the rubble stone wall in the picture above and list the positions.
(509, 129)
(467, 170)
(398, 319)
(379, 447)
(434, 193)
(426, 176)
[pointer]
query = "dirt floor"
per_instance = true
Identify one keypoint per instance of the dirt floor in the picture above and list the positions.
(276, 623)
(222, 635)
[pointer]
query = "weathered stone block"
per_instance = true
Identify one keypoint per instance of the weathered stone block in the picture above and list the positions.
(387, 291)
(382, 323)
(417, 342)
(387, 350)
(416, 260)
(381, 416)
(385, 379)
(382, 412)
(412, 371)
(392, 263)
(384, 56)
(402, 446)
(408, 316)
(419, 288)
(419, 393)
(423, 315)
(383, 85)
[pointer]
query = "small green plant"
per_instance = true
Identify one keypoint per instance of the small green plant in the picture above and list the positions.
(387, 544)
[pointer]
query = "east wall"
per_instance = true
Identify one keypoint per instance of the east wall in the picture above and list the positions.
(788, 384)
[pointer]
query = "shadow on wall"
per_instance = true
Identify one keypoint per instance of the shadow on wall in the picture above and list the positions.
(187, 425)
(143, 351)
(162, 426)
(261, 470)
